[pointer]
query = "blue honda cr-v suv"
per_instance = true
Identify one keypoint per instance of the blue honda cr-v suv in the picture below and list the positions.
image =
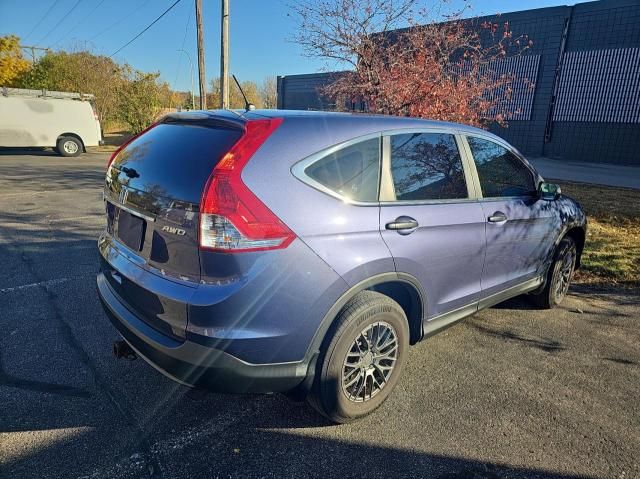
(304, 252)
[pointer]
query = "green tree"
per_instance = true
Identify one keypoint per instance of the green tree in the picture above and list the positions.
(236, 101)
(12, 63)
(140, 99)
(269, 93)
(81, 72)
(186, 103)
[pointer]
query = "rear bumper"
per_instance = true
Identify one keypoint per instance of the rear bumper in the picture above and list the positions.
(194, 364)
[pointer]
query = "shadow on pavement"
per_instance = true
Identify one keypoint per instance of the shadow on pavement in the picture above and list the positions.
(25, 178)
(36, 151)
(253, 447)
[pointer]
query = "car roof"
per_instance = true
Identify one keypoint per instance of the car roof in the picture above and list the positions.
(385, 121)
(377, 121)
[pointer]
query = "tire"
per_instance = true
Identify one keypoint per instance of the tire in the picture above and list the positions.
(69, 146)
(559, 275)
(376, 318)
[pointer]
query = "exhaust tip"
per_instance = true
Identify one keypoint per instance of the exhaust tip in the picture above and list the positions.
(121, 350)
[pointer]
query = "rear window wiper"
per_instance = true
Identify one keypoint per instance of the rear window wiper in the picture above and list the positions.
(130, 172)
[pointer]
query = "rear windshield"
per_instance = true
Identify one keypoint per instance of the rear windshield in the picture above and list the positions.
(175, 160)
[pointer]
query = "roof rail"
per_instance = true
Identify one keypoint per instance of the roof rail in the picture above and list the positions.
(23, 92)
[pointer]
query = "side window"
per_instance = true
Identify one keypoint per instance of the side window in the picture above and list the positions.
(427, 166)
(501, 173)
(352, 172)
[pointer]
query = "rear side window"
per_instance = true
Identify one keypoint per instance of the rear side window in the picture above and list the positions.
(427, 166)
(352, 172)
(501, 173)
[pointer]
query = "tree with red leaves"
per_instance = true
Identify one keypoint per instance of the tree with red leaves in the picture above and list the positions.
(404, 62)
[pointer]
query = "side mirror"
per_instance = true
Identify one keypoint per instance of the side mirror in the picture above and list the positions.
(549, 191)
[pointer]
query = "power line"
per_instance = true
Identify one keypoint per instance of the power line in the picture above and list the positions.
(78, 24)
(147, 28)
(41, 19)
(62, 19)
(184, 39)
(33, 50)
(118, 22)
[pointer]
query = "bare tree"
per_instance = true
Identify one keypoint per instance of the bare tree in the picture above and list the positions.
(405, 63)
(269, 92)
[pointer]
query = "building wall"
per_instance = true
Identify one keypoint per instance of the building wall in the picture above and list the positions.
(544, 27)
(570, 130)
(597, 26)
(302, 92)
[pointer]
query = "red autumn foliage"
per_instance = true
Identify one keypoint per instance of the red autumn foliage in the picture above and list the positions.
(434, 70)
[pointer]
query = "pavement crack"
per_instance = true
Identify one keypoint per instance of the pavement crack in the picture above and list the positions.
(67, 333)
(44, 387)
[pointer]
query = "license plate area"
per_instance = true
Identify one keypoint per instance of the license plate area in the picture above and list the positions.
(131, 230)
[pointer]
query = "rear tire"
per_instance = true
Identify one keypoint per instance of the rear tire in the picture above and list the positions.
(361, 359)
(559, 275)
(69, 146)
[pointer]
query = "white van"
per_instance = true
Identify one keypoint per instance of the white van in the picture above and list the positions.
(66, 122)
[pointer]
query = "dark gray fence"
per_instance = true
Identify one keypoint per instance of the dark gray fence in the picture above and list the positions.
(585, 66)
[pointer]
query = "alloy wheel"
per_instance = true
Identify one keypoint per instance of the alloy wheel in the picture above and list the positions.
(563, 276)
(369, 362)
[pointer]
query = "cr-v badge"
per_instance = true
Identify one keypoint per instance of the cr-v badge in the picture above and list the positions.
(174, 231)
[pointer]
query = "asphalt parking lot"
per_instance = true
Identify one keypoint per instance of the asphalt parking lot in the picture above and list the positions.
(510, 393)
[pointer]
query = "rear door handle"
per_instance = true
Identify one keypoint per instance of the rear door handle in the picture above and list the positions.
(402, 224)
(497, 217)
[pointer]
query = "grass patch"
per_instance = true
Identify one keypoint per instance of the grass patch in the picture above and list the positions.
(111, 142)
(612, 252)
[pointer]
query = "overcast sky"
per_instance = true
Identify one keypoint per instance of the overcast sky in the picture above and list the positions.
(259, 32)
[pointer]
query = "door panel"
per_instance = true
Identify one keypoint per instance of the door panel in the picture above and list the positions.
(445, 252)
(520, 228)
(516, 247)
(429, 218)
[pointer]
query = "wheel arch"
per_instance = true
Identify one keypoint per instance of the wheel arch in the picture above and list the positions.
(410, 299)
(578, 235)
(401, 287)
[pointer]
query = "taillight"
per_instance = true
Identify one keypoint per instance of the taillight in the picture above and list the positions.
(124, 145)
(232, 218)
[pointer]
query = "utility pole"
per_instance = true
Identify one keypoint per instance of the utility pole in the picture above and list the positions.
(201, 72)
(33, 51)
(224, 56)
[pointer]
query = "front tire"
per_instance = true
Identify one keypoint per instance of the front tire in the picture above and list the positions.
(361, 359)
(69, 146)
(559, 275)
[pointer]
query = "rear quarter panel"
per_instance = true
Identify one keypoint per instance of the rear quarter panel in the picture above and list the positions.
(345, 236)
(263, 307)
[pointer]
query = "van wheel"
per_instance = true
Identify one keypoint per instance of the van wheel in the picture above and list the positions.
(69, 146)
(362, 358)
(559, 275)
